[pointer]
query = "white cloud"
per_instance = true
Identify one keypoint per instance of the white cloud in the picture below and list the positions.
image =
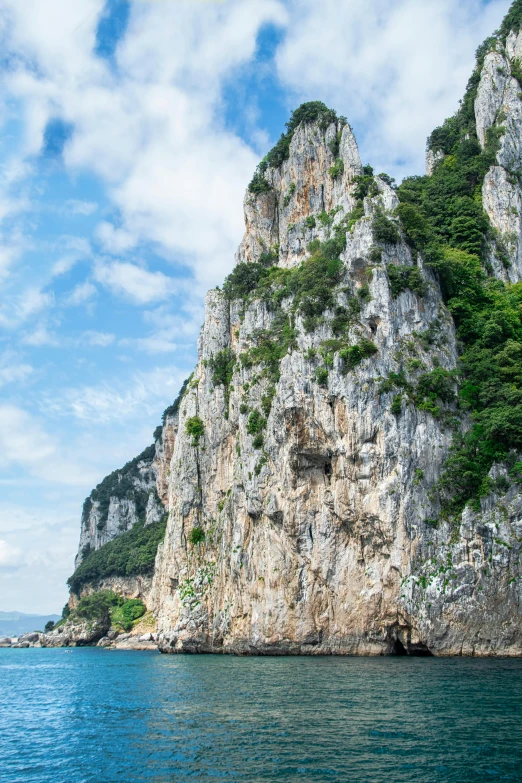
(141, 395)
(22, 440)
(11, 557)
(33, 301)
(37, 554)
(155, 344)
(135, 283)
(78, 207)
(12, 370)
(40, 336)
(101, 339)
(82, 293)
(170, 330)
(151, 130)
(25, 443)
(75, 249)
(396, 70)
(186, 322)
(23, 306)
(114, 240)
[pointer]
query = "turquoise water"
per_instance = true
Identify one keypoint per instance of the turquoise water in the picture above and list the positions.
(97, 716)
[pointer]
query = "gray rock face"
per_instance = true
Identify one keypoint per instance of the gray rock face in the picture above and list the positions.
(84, 634)
(302, 188)
(432, 158)
(321, 541)
(29, 637)
(126, 497)
(498, 107)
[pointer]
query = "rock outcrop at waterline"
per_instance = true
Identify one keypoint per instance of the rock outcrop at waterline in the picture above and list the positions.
(301, 468)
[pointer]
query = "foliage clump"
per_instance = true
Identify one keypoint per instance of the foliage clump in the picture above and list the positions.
(96, 606)
(222, 367)
(106, 606)
(256, 423)
(255, 426)
(195, 427)
(366, 187)
(404, 277)
(355, 354)
(439, 384)
(321, 376)
(396, 406)
(126, 614)
(133, 552)
(385, 230)
(258, 184)
(243, 280)
(337, 170)
(197, 535)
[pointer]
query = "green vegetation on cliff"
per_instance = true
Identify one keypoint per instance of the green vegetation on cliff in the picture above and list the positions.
(121, 484)
(311, 284)
(462, 124)
(443, 217)
(222, 367)
(196, 428)
(125, 615)
(173, 409)
(129, 554)
(106, 606)
(512, 21)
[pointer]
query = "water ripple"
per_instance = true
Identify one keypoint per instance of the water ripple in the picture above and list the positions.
(94, 716)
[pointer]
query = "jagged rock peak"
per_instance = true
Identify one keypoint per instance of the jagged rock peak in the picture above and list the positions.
(311, 171)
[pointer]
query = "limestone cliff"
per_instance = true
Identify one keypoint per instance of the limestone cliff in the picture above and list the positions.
(119, 502)
(305, 468)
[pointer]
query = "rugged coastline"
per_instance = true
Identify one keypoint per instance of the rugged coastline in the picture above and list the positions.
(340, 474)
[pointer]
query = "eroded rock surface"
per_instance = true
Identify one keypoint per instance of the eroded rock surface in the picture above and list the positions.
(315, 533)
(119, 502)
(322, 541)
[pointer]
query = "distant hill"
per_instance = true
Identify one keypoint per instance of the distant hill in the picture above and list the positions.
(16, 623)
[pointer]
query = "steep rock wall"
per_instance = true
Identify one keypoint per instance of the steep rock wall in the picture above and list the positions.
(499, 105)
(322, 540)
(119, 502)
(310, 528)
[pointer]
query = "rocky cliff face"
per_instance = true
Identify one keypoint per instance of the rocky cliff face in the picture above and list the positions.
(322, 539)
(499, 105)
(119, 502)
(301, 465)
(301, 188)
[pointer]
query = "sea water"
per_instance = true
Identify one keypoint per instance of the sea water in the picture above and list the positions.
(98, 716)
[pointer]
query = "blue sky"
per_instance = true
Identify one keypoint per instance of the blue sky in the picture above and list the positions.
(128, 133)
